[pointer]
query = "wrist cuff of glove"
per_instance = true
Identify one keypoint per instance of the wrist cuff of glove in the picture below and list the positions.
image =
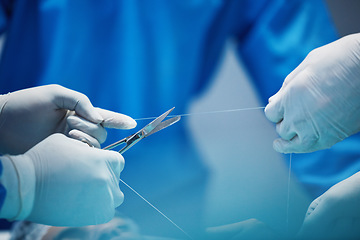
(9, 181)
(25, 173)
(3, 100)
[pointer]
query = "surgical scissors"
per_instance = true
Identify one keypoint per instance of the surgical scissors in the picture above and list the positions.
(151, 128)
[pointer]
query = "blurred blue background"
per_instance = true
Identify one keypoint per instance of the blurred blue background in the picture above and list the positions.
(247, 179)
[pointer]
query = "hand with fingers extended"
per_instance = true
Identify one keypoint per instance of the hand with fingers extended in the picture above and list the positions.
(336, 213)
(29, 116)
(319, 102)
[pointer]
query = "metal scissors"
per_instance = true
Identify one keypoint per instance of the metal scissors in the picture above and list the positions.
(153, 127)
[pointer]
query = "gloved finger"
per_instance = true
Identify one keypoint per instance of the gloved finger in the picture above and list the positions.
(312, 206)
(83, 137)
(68, 99)
(298, 144)
(118, 197)
(225, 231)
(115, 163)
(249, 229)
(318, 220)
(257, 233)
(276, 95)
(95, 130)
(285, 131)
(116, 120)
(289, 78)
(274, 111)
(295, 145)
(286, 146)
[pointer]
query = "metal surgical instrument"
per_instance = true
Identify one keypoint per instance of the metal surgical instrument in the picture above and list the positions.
(153, 127)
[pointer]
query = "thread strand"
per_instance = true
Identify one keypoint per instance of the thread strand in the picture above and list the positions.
(186, 115)
(203, 113)
(156, 209)
(288, 195)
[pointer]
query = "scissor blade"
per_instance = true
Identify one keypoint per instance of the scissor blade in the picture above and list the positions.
(151, 126)
(164, 124)
(149, 129)
(115, 144)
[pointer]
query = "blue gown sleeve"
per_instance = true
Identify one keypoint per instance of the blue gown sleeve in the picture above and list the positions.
(2, 189)
(278, 36)
(5, 12)
(4, 16)
(5, 9)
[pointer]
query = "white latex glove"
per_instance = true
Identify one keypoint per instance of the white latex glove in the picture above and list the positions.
(63, 182)
(336, 213)
(29, 116)
(319, 102)
(251, 229)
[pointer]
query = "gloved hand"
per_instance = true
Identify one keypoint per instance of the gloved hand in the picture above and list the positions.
(251, 229)
(319, 102)
(335, 214)
(29, 116)
(64, 182)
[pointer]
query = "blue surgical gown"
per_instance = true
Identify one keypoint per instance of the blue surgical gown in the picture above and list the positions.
(2, 189)
(144, 57)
